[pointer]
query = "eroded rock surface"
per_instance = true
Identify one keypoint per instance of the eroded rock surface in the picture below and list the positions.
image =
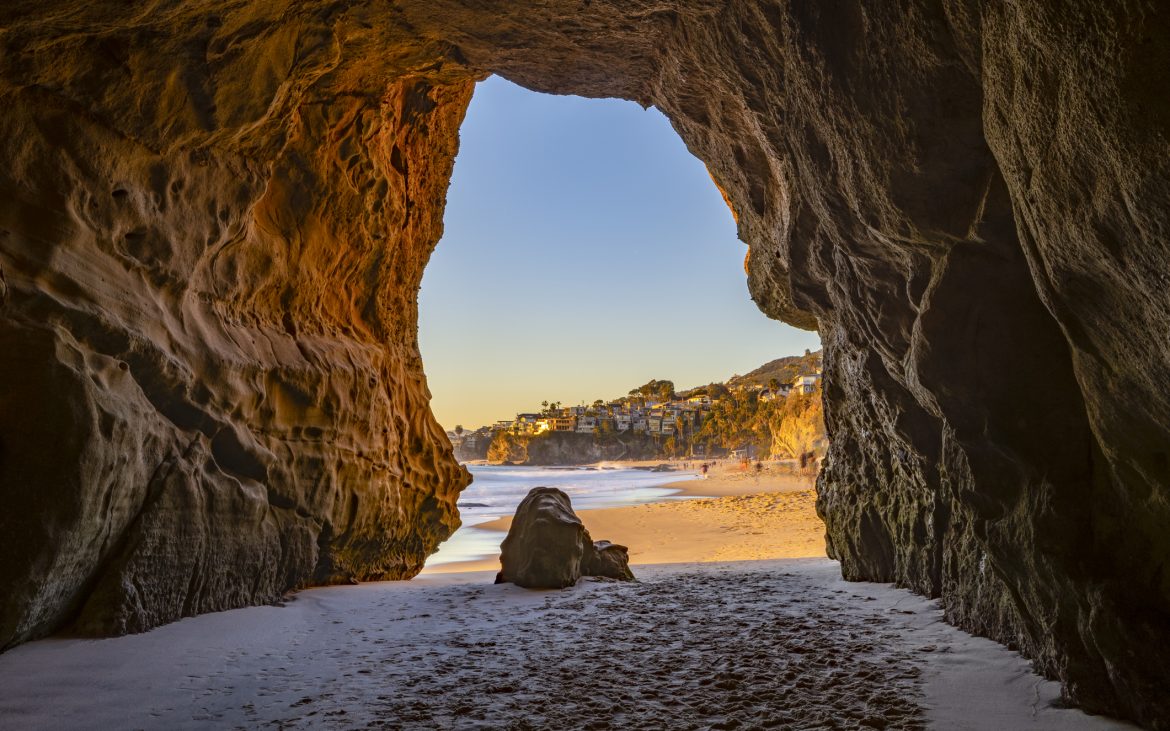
(214, 219)
(545, 543)
(607, 560)
(547, 546)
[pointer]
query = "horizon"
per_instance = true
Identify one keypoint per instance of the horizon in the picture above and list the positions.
(558, 205)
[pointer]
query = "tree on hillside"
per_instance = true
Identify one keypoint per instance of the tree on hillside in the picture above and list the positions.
(654, 388)
(458, 430)
(666, 390)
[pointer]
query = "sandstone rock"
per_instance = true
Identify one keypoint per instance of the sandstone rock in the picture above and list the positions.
(215, 220)
(545, 544)
(608, 560)
(547, 547)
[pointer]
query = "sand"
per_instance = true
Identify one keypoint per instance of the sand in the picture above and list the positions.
(703, 643)
(763, 644)
(751, 516)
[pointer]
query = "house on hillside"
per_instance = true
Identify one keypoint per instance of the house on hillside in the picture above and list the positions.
(586, 424)
(806, 383)
(525, 423)
(562, 423)
(774, 394)
(703, 400)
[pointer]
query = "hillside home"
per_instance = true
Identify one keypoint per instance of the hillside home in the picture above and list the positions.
(562, 423)
(806, 383)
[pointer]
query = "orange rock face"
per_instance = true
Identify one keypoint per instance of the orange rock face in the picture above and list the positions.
(215, 218)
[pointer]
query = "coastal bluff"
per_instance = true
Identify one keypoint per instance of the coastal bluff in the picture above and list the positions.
(559, 448)
(215, 220)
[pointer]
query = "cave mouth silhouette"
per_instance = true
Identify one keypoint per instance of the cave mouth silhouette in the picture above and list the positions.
(215, 225)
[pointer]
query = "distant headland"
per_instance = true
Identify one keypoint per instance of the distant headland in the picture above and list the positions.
(773, 412)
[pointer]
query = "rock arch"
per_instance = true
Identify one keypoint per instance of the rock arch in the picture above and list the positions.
(214, 222)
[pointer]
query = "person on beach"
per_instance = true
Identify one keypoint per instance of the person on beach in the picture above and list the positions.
(704, 469)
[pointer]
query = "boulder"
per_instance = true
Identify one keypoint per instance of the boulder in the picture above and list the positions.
(545, 543)
(610, 560)
(547, 547)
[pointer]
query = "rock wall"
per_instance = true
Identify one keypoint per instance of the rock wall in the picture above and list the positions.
(212, 387)
(214, 222)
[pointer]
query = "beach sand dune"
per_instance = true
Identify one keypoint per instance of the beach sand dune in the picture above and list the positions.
(775, 644)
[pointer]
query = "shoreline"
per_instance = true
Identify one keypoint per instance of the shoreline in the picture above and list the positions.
(731, 515)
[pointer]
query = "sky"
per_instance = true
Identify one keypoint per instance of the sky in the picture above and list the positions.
(585, 252)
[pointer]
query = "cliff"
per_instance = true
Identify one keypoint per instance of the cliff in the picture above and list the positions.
(568, 448)
(214, 219)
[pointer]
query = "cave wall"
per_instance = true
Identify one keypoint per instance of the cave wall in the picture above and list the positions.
(968, 199)
(212, 387)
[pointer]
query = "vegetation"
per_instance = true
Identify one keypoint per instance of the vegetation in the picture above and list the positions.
(781, 370)
(784, 428)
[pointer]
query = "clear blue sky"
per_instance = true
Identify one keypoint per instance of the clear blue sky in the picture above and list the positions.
(585, 252)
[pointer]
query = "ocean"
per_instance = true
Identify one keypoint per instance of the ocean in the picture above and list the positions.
(498, 489)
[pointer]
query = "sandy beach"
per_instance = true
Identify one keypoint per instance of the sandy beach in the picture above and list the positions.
(703, 639)
(758, 644)
(737, 515)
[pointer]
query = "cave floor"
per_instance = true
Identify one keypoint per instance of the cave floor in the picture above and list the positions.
(762, 644)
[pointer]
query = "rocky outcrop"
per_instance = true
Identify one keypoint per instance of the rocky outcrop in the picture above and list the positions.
(547, 546)
(211, 390)
(214, 220)
(569, 448)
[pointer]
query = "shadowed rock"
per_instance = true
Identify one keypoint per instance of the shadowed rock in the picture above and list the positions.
(547, 547)
(610, 560)
(545, 542)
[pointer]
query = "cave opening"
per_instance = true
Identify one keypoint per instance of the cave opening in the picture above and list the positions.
(215, 226)
(585, 253)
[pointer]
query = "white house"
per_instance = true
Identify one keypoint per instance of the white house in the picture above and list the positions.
(806, 383)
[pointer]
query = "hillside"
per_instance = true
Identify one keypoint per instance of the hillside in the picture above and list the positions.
(783, 370)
